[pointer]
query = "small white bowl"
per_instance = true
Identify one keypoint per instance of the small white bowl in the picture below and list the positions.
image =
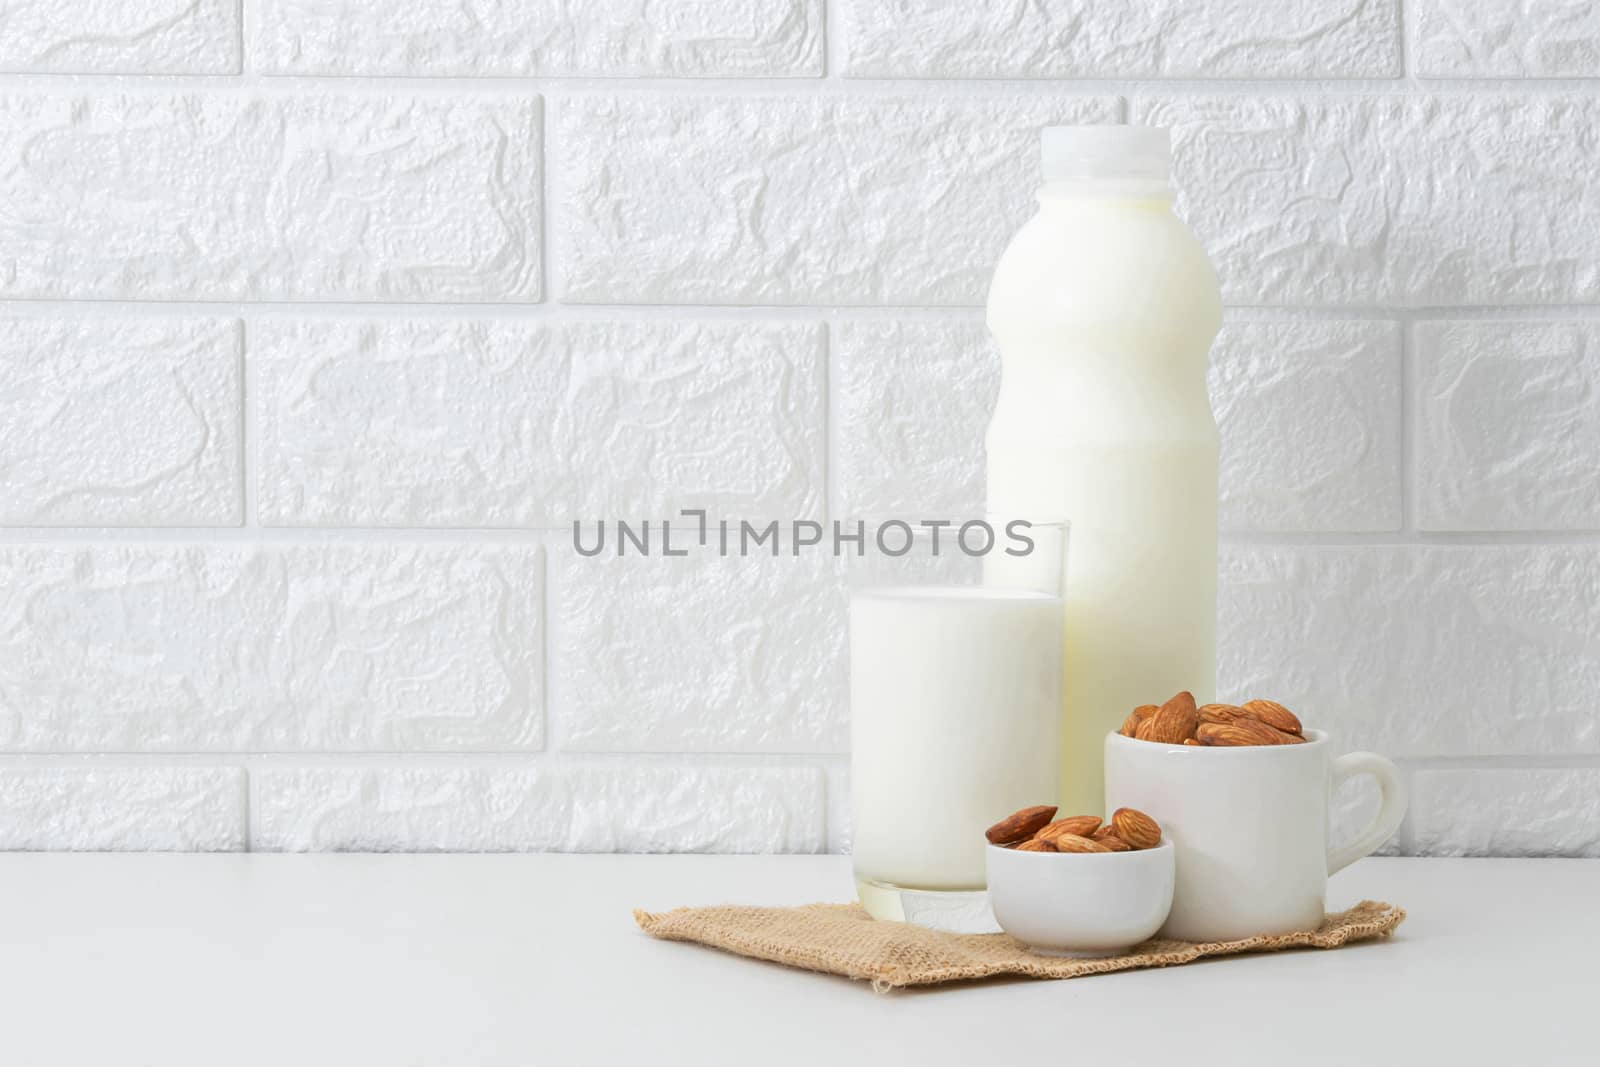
(1081, 903)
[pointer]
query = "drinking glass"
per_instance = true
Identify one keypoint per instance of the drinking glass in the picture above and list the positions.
(955, 714)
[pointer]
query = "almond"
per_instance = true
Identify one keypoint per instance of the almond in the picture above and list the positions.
(1130, 725)
(1174, 721)
(1113, 842)
(1136, 828)
(1190, 741)
(1274, 715)
(1244, 731)
(1221, 712)
(1035, 845)
(1225, 734)
(1266, 735)
(1081, 825)
(1020, 825)
(1144, 711)
(1074, 843)
(1144, 728)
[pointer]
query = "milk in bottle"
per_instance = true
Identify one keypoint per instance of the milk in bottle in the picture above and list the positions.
(1104, 307)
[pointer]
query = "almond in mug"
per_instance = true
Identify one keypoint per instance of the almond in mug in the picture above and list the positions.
(1179, 722)
(1173, 722)
(1130, 725)
(1243, 732)
(1221, 713)
(1274, 715)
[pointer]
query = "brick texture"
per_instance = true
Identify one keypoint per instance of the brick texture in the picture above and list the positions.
(699, 654)
(1420, 651)
(1507, 39)
(124, 37)
(239, 195)
(1310, 421)
(1329, 201)
(1508, 812)
(617, 38)
(496, 423)
(124, 421)
(1508, 425)
(725, 200)
(582, 809)
(321, 321)
(1083, 39)
(283, 648)
(122, 809)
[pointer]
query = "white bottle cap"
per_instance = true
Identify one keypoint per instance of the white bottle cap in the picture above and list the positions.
(1106, 153)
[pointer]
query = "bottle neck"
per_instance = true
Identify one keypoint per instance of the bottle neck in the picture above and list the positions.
(1146, 190)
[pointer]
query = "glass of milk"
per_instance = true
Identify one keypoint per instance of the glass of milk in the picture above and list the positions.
(955, 721)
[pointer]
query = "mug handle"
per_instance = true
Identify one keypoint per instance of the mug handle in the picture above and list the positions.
(1391, 809)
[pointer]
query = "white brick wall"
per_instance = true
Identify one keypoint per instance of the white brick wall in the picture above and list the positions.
(246, 194)
(126, 37)
(406, 422)
(237, 648)
(123, 421)
(645, 808)
(555, 38)
(112, 808)
(319, 318)
(1508, 425)
(795, 198)
(1087, 39)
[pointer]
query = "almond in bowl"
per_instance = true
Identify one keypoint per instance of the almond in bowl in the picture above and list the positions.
(1077, 886)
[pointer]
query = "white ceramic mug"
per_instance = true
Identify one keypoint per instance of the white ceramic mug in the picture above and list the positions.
(1251, 827)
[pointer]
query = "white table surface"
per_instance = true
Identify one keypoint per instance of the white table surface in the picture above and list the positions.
(494, 960)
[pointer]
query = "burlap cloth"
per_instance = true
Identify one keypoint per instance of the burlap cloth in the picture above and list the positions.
(843, 939)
